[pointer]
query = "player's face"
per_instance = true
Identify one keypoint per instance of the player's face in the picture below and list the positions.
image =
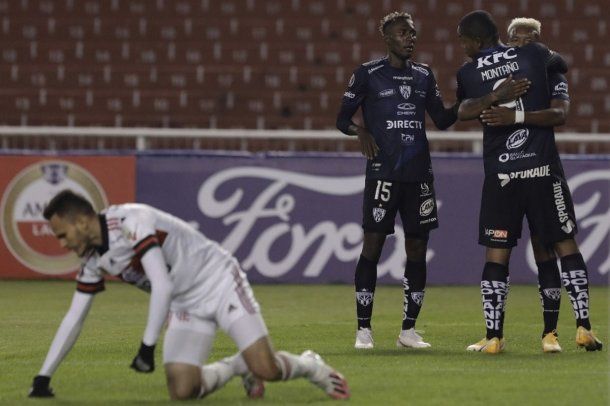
(470, 45)
(71, 233)
(400, 38)
(520, 36)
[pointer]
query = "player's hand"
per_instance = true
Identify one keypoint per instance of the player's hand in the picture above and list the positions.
(40, 387)
(145, 360)
(511, 89)
(368, 146)
(498, 116)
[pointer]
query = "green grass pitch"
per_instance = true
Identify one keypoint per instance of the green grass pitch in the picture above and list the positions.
(321, 318)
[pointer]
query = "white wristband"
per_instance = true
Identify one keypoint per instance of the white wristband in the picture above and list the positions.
(519, 116)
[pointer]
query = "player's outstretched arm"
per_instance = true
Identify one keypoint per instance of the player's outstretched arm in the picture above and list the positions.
(161, 285)
(508, 90)
(554, 116)
(66, 336)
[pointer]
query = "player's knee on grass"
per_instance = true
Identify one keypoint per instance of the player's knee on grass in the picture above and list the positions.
(183, 381)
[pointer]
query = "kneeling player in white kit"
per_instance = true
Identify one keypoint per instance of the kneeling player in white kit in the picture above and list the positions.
(190, 277)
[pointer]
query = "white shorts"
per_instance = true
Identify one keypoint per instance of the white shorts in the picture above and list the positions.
(190, 333)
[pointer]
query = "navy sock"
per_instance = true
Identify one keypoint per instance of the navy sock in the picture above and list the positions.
(365, 281)
(576, 281)
(549, 288)
(414, 283)
(494, 289)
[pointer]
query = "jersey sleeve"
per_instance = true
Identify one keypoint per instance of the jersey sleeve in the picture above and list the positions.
(554, 62)
(441, 116)
(558, 86)
(139, 229)
(90, 280)
(460, 92)
(352, 99)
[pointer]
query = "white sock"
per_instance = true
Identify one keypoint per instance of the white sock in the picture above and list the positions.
(215, 376)
(294, 366)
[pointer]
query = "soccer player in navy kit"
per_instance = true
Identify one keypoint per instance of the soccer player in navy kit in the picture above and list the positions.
(523, 172)
(394, 94)
(522, 31)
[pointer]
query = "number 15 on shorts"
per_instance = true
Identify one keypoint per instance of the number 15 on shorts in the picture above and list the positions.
(382, 191)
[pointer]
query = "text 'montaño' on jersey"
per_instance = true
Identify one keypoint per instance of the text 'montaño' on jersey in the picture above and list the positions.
(517, 147)
(394, 102)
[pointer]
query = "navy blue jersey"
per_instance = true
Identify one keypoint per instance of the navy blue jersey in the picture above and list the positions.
(520, 146)
(394, 102)
(558, 86)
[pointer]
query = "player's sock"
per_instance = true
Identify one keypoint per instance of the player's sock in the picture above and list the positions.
(549, 288)
(576, 281)
(365, 281)
(215, 376)
(494, 289)
(294, 366)
(414, 283)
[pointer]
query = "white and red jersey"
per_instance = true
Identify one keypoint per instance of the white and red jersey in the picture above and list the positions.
(197, 266)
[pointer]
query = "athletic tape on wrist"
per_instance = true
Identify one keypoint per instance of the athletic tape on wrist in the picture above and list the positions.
(519, 116)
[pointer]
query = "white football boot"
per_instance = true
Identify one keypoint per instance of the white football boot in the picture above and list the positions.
(364, 339)
(410, 339)
(326, 378)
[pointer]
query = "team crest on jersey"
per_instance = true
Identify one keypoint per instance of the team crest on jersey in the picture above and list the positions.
(364, 298)
(418, 297)
(378, 214)
(405, 90)
(552, 293)
(517, 139)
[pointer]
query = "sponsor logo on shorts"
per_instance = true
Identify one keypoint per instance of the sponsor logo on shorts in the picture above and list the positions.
(378, 214)
(364, 298)
(539, 172)
(513, 156)
(424, 189)
(517, 139)
(562, 209)
(496, 234)
(405, 91)
(386, 93)
(552, 293)
(426, 207)
(426, 221)
(349, 95)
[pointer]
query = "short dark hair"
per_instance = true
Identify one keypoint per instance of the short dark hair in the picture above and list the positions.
(479, 24)
(67, 203)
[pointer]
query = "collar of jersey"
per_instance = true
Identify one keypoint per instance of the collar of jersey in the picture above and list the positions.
(104, 229)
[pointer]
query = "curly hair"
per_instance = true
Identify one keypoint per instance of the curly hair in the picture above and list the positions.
(390, 18)
(530, 23)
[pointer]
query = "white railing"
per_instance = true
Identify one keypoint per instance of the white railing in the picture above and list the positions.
(143, 135)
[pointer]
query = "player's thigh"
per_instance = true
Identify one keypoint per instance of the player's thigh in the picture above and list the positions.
(188, 339)
(550, 211)
(238, 312)
(379, 206)
(501, 213)
(418, 209)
